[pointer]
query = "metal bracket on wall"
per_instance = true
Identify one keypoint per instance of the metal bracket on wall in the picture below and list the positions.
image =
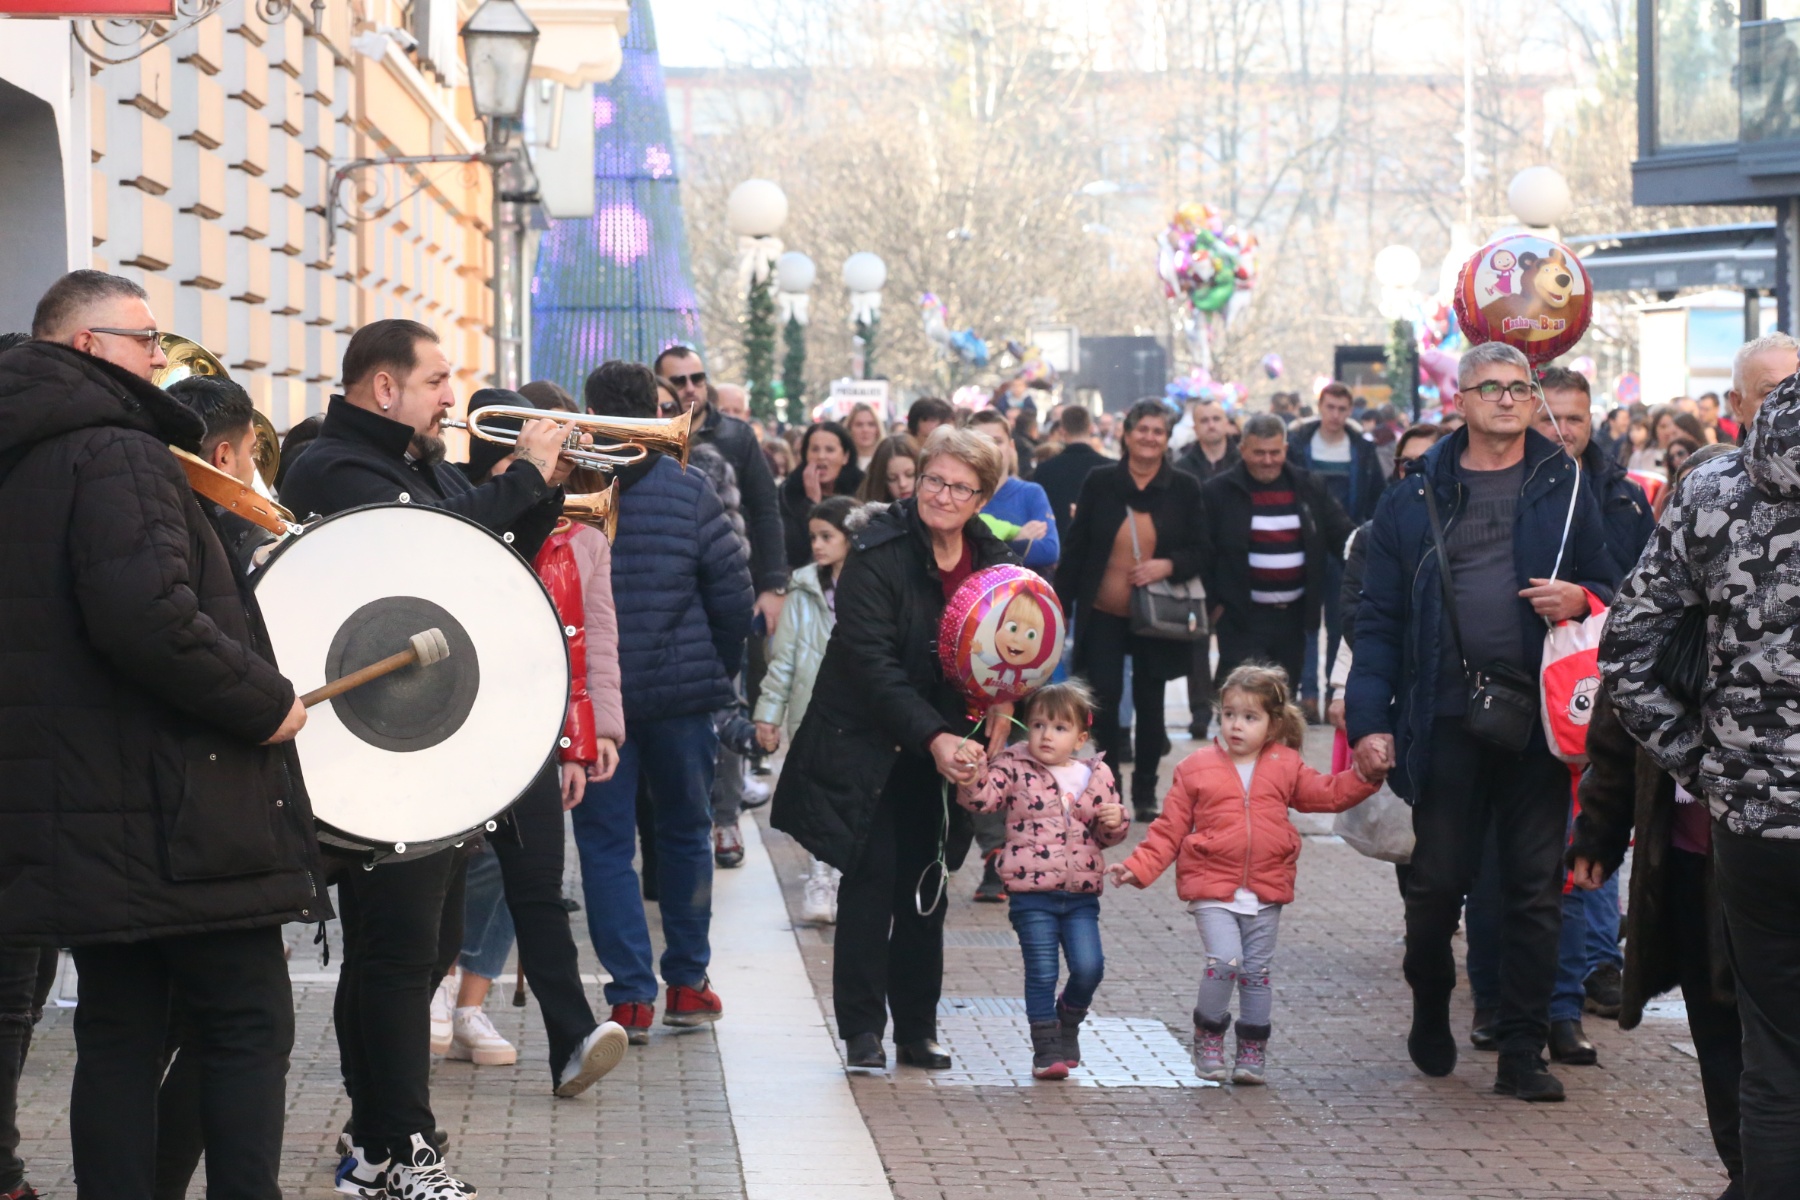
(342, 170)
(121, 41)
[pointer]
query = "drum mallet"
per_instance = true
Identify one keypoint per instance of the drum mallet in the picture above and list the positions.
(426, 648)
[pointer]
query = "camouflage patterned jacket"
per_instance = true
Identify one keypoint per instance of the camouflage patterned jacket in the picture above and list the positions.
(1730, 541)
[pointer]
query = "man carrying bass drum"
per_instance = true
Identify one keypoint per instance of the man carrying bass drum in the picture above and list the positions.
(380, 444)
(152, 814)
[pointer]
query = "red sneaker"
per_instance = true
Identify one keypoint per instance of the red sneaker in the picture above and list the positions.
(636, 1019)
(690, 1006)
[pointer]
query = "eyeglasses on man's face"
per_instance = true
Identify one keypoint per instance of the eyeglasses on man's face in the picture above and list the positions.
(1491, 391)
(147, 338)
(931, 485)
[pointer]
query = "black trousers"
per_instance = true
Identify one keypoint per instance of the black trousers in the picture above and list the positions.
(1102, 643)
(233, 987)
(1201, 693)
(1264, 633)
(26, 973)
(887, 956)
(1759, 886)
(391, 917)
(1712, 1023)
(531, 870)
(1525, 797)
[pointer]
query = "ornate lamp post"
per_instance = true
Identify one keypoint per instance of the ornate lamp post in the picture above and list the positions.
(1397, 269)
(498, 42)
(864, 276)
(756, 211)
(794, 275)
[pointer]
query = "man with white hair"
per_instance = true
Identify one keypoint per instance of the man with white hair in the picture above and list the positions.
(732, 400)
(1757, 369)
(1437, 646)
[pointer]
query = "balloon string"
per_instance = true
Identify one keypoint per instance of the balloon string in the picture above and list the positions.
(943, 868)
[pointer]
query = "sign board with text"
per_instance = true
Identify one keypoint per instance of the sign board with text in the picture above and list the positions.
(846, 394)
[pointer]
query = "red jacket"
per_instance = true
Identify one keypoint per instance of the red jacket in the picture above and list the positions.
(1222, 837)
(555, 565)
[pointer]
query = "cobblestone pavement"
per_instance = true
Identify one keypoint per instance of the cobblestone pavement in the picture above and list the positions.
(1344, 1114)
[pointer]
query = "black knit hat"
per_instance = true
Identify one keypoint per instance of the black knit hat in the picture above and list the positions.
(484, 454)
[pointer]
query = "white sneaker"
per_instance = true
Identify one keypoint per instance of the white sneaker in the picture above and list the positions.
(476, 1040)
(837, 877)
(356, 1174)
(425, 1177)
(443, 1003)
(599, 1052)
(756, 791)
(819, 904)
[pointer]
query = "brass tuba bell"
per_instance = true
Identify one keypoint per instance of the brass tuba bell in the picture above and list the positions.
(188, 358)
(599, 509)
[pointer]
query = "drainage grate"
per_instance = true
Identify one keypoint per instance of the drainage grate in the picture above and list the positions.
(991, 1045)
(981, 939)
(987, 1006)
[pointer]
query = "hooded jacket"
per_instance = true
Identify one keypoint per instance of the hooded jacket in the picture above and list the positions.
(795, 652)
(1729, 542)
(736, 442)
(136, 680)
(1400, 623)
(881, 691)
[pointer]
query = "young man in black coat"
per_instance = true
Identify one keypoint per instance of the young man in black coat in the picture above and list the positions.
(152, 815)
(380, 444)
(1062, 475)
(1278, 547)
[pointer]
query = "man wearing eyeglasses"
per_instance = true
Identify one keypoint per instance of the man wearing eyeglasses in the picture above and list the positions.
(1504, 496)
(151, 815)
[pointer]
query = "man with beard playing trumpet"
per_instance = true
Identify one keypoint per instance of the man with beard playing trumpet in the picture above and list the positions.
(380, 444)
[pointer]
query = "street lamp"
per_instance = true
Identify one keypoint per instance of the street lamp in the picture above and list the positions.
(1397, 270)
(498, 42)
(755, 211)
(794, 276)
(864, 276)
(1539, 196)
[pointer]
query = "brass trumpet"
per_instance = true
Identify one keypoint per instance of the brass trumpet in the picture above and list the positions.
(599, 509)
(188, 358)
(619, 441)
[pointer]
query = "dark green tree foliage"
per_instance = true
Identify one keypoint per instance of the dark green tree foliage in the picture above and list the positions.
(865, 333)
(759, 350)
(1403, 368)
(793, 371)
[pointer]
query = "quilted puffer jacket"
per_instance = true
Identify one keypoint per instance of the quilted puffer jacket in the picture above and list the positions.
(1728, 542)
(795, 652)
(136, 681)
(1222, 836)
(681, 585)
(1048, 848)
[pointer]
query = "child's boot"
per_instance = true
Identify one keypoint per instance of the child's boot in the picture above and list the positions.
(1046, 1051)
(1071, 1019)
(1252, 1053)
(1209, 1049)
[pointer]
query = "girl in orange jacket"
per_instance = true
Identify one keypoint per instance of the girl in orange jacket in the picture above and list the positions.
(1224, 825)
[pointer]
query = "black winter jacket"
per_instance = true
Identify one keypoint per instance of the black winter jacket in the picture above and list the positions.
(1324, 528)
(880, 692)
(359, 458)
(796, 504)
(136, 681)
(1624, 509)
(1193, 460)
(761, 506)
(1061, 477)
(1627, 800)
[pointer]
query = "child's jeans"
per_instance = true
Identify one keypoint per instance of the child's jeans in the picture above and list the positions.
(1239, 950)
(1043, 921)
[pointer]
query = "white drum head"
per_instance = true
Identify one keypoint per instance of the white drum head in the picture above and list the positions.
(429, 753)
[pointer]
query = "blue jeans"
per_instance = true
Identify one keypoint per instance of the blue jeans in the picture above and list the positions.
(1590, 938)
(487, 921)
(1043, 921)
(676, 755)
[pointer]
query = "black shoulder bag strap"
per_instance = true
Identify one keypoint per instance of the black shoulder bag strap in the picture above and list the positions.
(1437, 538)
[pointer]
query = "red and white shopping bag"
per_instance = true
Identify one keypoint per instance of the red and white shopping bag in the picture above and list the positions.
(1571, 681)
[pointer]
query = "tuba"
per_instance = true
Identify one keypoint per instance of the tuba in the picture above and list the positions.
(599, 509)
(188, 358)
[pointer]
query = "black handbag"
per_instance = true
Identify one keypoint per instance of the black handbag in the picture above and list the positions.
(1503, 700)
(1685, 662)
(1169, 611)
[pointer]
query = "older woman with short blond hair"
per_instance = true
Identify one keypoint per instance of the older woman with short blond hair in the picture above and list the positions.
(863, 785)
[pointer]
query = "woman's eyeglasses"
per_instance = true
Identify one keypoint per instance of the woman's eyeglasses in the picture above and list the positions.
(962, 493)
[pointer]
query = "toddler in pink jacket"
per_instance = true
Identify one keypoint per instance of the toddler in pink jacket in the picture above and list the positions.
(1061, 813)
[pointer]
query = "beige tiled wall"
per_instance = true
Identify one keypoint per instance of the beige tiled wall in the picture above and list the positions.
(211, 156)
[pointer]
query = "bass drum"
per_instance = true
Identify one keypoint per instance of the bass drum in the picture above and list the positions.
(426, 757)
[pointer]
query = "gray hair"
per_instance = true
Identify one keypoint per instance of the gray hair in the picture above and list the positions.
(73, 295)
(1264, 425)
(1756, 346)
(1489, 354)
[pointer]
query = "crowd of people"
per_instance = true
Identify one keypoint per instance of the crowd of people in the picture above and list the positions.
(783, 595)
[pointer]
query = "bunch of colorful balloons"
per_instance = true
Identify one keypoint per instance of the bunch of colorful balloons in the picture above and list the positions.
(963, 344)
(1200, 385)
(1204, 261)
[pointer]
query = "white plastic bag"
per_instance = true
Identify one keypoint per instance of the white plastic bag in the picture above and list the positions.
(1380, 827)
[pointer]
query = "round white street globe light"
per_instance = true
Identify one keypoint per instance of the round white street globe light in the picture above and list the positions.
(1397, 267)
(1539, 196)
(865, 272)
(756, 208)
(795, 273)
